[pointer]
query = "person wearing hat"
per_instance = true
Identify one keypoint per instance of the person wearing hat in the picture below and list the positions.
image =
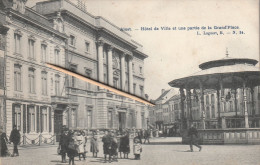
(63, 144)
(3, 141)
(15, 139)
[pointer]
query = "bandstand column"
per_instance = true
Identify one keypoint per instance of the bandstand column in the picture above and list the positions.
(188, 93)
(218, 104)
(123, 71)
(130, 61)
(100, 44)
(182, 107)
(245, 105)
(110, 65)
(223, 122)
(253, 104)
(202, 106)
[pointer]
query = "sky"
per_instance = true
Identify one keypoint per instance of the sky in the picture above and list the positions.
(177, 53)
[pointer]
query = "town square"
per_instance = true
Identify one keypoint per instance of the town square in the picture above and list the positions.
(129, 82)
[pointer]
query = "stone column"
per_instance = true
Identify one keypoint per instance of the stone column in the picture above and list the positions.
(218, 104)
(182, 107)
(202, 106)
(122, 71)
(100, 44)
(130, 62)
(253, 105)
(110, 65)
(245, 105)
(223, 125)
(188, 98)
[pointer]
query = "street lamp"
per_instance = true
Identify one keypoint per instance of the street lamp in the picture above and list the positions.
(147, 122)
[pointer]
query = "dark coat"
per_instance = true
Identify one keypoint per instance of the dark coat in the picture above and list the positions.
(193, 133)
(3, 141)
(107, 142)
(124, 144)
(64, 142)
(71, 152)
(114, 146)
(15, 136)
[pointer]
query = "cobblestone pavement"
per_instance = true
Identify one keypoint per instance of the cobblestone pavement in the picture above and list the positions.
(152, 155)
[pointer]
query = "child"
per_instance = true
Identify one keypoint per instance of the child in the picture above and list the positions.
(137, 148)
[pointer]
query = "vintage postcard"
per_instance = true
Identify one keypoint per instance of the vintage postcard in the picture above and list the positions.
(143, 82)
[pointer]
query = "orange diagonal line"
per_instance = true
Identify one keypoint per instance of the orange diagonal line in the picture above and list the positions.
(102, 85)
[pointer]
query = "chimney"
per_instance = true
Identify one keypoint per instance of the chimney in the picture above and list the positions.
(163, 90)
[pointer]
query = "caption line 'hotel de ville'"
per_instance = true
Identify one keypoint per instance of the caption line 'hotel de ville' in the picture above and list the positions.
(40, 100)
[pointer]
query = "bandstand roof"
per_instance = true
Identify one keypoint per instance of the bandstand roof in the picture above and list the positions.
(231, 71)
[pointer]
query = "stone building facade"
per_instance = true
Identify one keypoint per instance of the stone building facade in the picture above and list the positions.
(29, 86)
(40, 100)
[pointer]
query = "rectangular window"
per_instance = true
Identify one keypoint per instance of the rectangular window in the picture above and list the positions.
(105, 78)
(31, 49)
(17, 116)
(72, 40)
(134, 87)
(110, 119)
(89, 118)
(73, 117)
(44, 83)
(17, 43)
(56, 56)
(115, 82)
(141, 70)
(57, 85)
(133, 67)
(141, 91)
(88, 73)
(17, 78)
(44, 119)
(32, 118)
(44, 52)
(86, 46)
(31, 77)
(213, 111)
(73, 68)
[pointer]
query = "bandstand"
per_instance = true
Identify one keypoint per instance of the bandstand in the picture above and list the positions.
(239, 75)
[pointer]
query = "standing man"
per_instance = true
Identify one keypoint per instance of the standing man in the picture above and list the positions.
(15, 138)
(193, 134)
(63, 144)
(147, 136)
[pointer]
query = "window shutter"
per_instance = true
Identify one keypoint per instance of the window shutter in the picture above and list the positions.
(41, 119)
(13, 117)
(24, 118)
(38, 118)
(28, 120)
(50, 128)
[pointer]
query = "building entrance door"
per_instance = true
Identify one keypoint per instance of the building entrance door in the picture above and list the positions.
(122, 120)
(58, 117)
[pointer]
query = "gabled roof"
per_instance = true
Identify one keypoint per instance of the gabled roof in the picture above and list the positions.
(162, 95)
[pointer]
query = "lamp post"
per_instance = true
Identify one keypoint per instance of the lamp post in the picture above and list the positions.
(147, 119)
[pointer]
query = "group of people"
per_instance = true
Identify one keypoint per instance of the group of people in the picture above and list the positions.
(114, 145)
(14, 138)
(72, 143)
